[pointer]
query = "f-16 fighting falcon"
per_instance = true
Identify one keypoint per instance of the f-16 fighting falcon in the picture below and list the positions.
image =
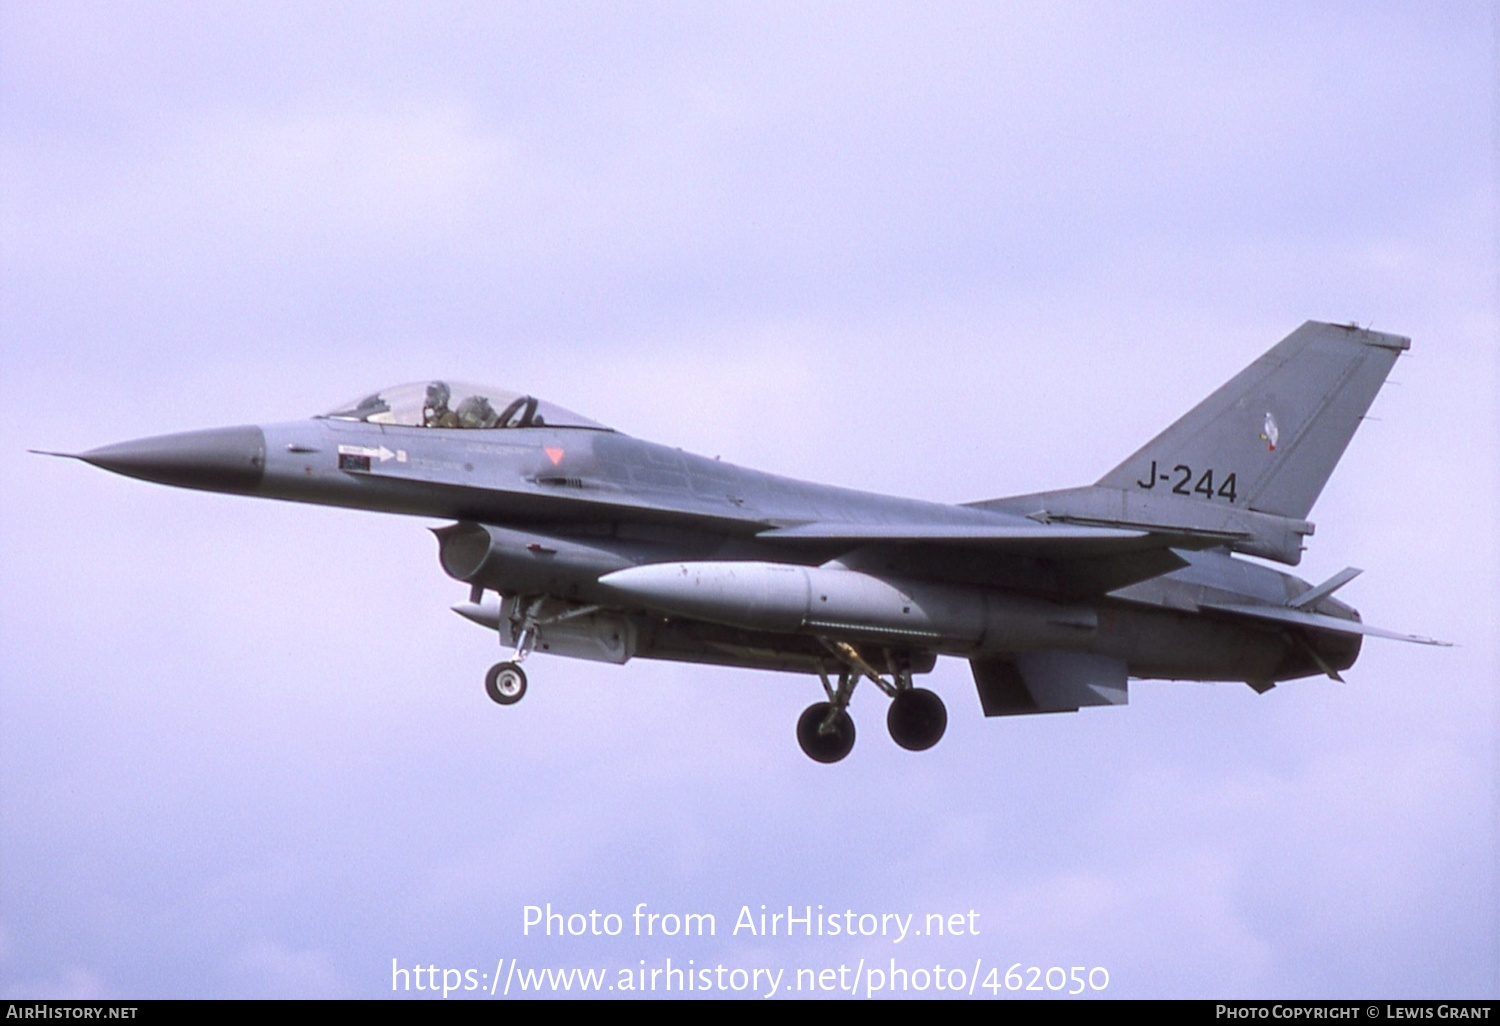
(577, 540)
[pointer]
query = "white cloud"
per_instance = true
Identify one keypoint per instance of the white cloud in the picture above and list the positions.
(273, 970)
(71, 983)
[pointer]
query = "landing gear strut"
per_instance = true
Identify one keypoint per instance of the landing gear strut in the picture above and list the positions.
(521, 619)
(917, 718)
(506, 682)
(825, 730)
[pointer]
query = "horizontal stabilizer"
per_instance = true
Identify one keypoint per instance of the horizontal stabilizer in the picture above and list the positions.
(1317, 621)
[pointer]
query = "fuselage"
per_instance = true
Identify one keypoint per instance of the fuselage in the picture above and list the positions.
(551, 510)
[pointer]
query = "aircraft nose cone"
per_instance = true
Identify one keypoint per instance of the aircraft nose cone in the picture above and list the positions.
(219, 460)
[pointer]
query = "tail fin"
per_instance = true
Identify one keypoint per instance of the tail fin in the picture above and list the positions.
(1269, 439)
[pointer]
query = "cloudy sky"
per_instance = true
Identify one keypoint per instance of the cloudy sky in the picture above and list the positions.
(950, 251)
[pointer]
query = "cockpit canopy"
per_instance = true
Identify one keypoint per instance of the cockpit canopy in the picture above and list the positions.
(454, 404)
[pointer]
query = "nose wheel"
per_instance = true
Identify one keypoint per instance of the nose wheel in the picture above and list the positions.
(505, 683)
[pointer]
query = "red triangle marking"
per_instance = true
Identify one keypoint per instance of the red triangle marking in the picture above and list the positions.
(555, 455)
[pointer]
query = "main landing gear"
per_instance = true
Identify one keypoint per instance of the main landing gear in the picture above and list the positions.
(916, 719)
(825, 732)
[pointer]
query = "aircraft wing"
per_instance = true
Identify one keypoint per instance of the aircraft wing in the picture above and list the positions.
(1318, 621)
(1023, 537)
(1048, 558)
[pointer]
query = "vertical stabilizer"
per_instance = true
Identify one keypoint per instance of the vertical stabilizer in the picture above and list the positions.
(1269, 439)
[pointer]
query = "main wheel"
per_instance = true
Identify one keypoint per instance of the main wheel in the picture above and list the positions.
(917, 719)
(505, 683)
(821, 747)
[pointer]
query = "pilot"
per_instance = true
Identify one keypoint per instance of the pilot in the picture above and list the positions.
(476, 412)
(435, 412)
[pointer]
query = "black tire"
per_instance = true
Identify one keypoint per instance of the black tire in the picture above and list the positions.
(829, 747)
(917, 719)
(505, 683)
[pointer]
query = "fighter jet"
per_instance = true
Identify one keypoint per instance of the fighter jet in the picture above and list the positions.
(578, 540)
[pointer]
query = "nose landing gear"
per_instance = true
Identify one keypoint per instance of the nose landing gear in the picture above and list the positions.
(505, 683)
